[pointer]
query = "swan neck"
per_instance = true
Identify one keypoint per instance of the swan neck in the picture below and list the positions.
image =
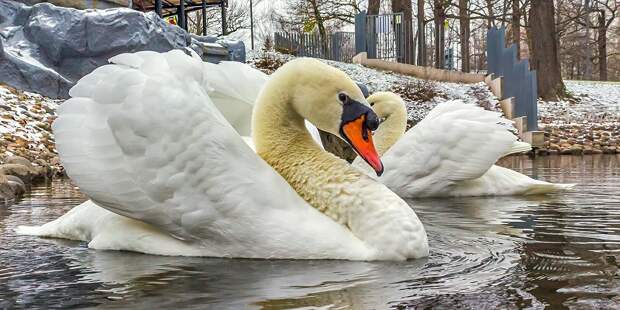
(390, 130)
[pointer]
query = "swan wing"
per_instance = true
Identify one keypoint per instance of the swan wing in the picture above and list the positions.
(142, 139)
(233, 87)
(455, 142)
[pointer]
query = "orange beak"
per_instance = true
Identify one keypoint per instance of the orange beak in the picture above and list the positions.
(360, 138)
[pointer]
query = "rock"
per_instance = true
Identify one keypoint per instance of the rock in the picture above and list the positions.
(18, 186)
(57, 46)
(23, 172)
(596, 151)
(46, 168)
(553, 152)
(7, 192)
(18, 160)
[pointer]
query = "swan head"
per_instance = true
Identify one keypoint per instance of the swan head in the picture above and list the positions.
(333, 102)
(387, 104)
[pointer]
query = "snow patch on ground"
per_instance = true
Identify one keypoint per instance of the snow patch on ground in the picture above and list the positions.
(378, 80)
(25, 125)
(597, 102)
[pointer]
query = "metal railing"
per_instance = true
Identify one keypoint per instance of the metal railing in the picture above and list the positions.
(386, 36)
(339, 46)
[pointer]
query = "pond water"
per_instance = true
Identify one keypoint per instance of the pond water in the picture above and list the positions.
(557, 251)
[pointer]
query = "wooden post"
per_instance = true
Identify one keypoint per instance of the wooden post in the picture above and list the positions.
(181, 14)
(204, 17)
(223, 19)
(158, 7)
(251, 24)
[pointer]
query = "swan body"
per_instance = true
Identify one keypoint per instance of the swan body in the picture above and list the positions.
(451, 152)
(168, 174)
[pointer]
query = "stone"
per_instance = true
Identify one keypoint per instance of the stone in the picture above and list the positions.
(23, 172)
(18, 186)
(576, 149)
(7, 193)
(18, 160)
(45, 49)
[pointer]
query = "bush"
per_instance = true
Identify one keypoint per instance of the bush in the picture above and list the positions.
(418, 91)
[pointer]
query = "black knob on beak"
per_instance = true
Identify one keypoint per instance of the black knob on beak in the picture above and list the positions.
(372, 121)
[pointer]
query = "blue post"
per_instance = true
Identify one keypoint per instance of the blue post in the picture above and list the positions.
(532, 122)
(360, 32)
(491, 51)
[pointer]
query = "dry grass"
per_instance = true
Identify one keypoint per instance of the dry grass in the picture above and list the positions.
(418, 91)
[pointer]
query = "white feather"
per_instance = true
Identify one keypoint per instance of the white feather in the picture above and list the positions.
(147, 143)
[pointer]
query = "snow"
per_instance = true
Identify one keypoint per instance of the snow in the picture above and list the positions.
(594, 102)
(25, 124)
(378, 80)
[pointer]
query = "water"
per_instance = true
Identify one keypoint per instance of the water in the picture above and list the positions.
(559, 251)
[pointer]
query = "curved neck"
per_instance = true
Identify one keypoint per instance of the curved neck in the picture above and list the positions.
(390, 130)
(282, 140)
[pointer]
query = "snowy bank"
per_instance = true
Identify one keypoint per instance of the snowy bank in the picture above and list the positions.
(27, 151)
(588, 123)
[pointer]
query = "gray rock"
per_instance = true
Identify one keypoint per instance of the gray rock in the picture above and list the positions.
(46, 49)
(18, 186)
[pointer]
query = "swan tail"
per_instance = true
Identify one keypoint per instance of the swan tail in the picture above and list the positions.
(77, 224)
(519, 147)
(500, 181)
(541, 187)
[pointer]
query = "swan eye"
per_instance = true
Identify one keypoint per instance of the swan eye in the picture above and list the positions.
(372, 104)
(342, 97)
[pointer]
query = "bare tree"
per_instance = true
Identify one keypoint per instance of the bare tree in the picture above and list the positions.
(237, 17)
(516, 26)
(544, 50)
(464, 34)
(373, 7)
(421, 35)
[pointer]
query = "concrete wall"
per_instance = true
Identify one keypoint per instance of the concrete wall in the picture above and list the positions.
(426, 73)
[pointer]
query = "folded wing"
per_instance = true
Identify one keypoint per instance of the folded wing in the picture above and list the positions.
(143, 139)
(454, 142)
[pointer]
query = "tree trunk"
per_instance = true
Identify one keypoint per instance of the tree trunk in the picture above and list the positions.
(602, 46)
(421, 35)
(464, 23)
(490, 11)
(544, 50)
(404, 6)
(373, 7)
(319, 21)
(516, 26)
(587, 57)
(439, 17)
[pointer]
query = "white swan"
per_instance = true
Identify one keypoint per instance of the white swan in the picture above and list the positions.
(451, 152)
(434, 158)
(142, 138)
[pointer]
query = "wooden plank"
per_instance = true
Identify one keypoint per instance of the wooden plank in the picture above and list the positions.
(535, 138)
(508, 107)
(520, 124)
